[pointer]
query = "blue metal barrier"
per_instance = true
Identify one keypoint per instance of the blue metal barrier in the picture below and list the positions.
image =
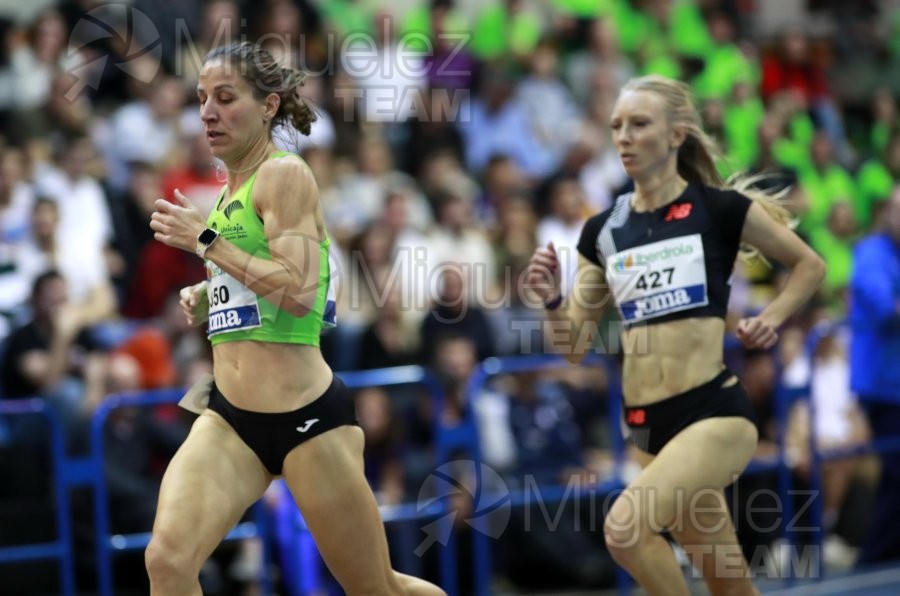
(787, 397)
(820, 456)
(447, 440)
(108, 544)
(61, 548)
(404, 375)
(784, 399)
(88, 471)
(482, 555)
(815, 472)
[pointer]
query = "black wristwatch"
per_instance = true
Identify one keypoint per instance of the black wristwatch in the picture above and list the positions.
(206, 239)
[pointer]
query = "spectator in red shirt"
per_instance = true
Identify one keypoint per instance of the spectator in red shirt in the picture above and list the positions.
(793, 68)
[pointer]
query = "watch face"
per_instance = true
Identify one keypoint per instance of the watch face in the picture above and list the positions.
(207, 236)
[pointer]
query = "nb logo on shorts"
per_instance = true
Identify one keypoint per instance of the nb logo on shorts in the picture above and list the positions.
(637, 417)
(307, 425)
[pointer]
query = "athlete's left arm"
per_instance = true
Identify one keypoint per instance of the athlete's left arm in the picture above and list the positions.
(285, 195)
(779, 243)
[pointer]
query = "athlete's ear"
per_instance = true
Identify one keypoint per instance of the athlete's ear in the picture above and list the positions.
(677, 137)
(273, 101)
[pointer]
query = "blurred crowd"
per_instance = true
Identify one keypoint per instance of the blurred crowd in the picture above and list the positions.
(451, 140)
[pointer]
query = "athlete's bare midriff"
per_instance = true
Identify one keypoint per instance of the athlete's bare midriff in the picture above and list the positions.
(270, 377)
(669, 358)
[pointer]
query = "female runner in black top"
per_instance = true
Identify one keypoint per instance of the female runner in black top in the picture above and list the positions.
(663, 254)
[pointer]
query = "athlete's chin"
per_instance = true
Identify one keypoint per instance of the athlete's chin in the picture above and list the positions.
(631, 168)
(218, 150)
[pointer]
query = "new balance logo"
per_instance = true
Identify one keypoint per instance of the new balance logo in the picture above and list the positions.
(636, 417)
(306, 425)
(678, 211)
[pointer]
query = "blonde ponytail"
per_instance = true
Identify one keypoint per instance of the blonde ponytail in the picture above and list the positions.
(773, 202)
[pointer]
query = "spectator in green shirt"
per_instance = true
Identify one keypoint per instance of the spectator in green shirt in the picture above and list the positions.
(688, 30)
(767, 134)
(416, 28)
(725, 65)
(884, 115)
(630, 24)
(586, 9)
(505, 27)
(345, 16)
(681, 24)
(656, 52)
(744, 114)
(877, 177)
(826, 182)
(834, 242)
(791, 147)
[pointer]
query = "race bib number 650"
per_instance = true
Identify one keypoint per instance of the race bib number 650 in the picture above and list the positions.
(232, 306)
(657, 279)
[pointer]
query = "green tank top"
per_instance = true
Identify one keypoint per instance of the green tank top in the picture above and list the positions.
(236, 313)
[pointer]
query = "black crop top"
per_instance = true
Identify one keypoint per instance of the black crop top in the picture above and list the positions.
(672, 263)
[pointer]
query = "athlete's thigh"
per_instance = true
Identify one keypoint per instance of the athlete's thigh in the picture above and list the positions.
(326, 477)
(707, 455)
(212, 480)
(706, 532)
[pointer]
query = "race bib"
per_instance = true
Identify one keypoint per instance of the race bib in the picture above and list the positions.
(329, 315)
(658, 279)
(232, 306)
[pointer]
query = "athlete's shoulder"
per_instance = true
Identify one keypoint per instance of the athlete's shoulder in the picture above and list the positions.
(287, 168)
(587, 243)
(594, 224)
(619, 204)
(285, 175)
(727, 209)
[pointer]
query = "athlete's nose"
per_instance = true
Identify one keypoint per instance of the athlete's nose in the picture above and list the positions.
(208, 112)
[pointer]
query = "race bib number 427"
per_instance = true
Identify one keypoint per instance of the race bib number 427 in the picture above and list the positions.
(658, 279)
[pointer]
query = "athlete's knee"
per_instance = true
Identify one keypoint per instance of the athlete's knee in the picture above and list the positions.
(374, 589)
(381, 584)
(625, 530)
(622, 541)
(167, 562)
(414, 586)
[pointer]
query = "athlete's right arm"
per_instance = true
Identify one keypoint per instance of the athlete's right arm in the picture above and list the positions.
(574, 325)
(195, 303)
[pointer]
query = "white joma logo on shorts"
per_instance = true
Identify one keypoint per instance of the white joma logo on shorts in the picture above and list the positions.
(306, 425)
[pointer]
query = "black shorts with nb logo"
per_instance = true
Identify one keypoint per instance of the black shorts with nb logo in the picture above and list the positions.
(654, 425)
(273, 435)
